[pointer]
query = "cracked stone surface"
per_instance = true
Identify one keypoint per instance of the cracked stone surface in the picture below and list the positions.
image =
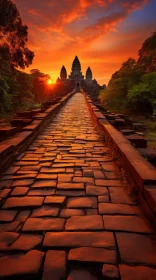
(65, 211)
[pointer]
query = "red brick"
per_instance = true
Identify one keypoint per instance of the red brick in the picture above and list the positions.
(21, 265)
(126, 223)
(7, 238)
(55, 265)
(44, 184)
(7, 215)
(93, 222)
(137, 272)
(82, 202)
(86, 254)
(79, 239)
(45, 211)
(136, 249)
(67, 213)
(44, 224)
(27, 242)
(70, 186)
(25, 201)
(19, 191)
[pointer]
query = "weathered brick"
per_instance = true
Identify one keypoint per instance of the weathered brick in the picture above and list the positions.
(95, 190)
(25, 201)
(26, 242)
(70, 186)
(45, 211)
(7, 215)
(86, 254)
(44, 224)
(82, 202)
(136, 248)
(54, 199)
(79, 239)
(137, 272)
(55, 265)
(21, 265)
(44, 184)
(93, 222)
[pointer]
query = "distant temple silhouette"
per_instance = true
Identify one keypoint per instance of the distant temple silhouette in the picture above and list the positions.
(78, 80)
(76, 75)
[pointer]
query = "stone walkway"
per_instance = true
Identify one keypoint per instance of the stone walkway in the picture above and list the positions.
(65, 213)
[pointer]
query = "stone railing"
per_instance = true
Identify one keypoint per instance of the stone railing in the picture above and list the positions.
(141, 175)
(12, 147)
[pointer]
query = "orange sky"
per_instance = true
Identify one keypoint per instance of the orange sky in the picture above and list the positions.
(103, 33)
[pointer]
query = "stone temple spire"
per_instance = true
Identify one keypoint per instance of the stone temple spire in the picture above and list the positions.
(89, 74)
(76, 73)
(76, 64)
(63, 73)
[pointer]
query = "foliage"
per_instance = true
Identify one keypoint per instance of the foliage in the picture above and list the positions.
(142, 97)
(133, 86)
(15, 86)
(39, 87)
(147, 54)
(5, 99)
(14, 35)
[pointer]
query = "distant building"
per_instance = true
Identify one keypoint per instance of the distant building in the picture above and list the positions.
(78, 80)
(76, 75)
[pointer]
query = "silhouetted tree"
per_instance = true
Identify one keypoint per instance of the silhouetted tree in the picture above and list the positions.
(147, 54)
(39, 80)
(14, 35)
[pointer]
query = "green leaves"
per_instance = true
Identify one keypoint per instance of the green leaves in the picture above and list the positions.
(143, 95)
(133, 87)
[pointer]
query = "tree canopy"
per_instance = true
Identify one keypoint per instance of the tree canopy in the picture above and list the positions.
(15, 86)
(133, 86)
(14, 36)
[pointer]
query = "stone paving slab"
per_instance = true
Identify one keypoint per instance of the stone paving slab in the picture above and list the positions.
(55, 265)
(101, 239)
(21, 265)
(85, 254)
(65, 209)
(142, 272)
(79, 223)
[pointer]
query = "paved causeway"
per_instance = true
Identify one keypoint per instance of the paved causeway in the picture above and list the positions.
(65, 213)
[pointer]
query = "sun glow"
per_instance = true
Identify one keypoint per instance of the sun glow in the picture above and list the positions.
(49, 82)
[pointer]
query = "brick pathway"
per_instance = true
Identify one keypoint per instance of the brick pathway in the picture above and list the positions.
(64, 211)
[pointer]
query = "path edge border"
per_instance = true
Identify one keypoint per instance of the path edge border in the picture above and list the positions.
(11, 148)
(141, 175)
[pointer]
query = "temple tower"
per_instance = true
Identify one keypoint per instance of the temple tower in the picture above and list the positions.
(63, 73)
(76, 73)
(89, 76)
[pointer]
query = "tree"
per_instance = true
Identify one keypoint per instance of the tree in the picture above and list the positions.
(131, 87)
(5, 98)
(14, 35)
(147, 54)
(39, 80)
(115, 95)
(142, 96)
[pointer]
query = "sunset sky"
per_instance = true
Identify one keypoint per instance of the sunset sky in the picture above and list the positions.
(103, 33)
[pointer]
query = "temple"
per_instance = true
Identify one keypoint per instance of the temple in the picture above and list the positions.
(76, 75)
(76, 79)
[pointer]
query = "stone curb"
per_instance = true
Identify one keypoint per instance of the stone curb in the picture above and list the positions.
(141, 174)
(11, 148)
